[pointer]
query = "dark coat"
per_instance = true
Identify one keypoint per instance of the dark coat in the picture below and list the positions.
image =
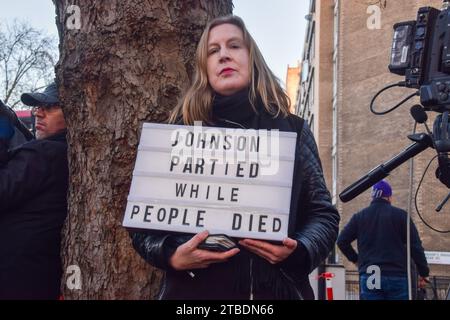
(381, 233)
(313, 223)
(33, 206)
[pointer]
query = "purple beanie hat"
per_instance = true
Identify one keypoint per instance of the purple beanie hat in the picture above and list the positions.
(381, 189)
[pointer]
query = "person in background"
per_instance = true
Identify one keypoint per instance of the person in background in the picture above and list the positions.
(380, 230)
(33, 202)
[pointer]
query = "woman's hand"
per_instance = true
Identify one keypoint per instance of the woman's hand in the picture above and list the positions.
(271, 252)
(188, 256)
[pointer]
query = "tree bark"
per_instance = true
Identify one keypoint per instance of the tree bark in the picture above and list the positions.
(127, 63)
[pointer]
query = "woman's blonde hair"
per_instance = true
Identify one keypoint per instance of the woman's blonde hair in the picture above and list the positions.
(196, 103)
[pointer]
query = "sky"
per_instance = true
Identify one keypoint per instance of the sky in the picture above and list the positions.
(278, 26)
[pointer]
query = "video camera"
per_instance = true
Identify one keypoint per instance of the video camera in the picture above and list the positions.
(421, 53)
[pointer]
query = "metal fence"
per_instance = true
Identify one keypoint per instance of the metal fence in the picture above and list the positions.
(437, 289)
(351, 285)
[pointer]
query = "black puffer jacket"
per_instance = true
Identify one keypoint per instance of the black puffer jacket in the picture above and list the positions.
(33, 206)
(313, 223)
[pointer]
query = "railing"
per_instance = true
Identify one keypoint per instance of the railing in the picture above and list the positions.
(437, 289)
(351, 285)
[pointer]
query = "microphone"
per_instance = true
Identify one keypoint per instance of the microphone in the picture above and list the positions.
(419, 114)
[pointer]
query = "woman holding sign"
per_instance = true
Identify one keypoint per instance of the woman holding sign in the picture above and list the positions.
(233, 87)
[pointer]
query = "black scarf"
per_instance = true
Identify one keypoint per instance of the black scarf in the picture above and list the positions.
(236, 108)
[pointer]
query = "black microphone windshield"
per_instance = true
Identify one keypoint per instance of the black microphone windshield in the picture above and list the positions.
(418, 113)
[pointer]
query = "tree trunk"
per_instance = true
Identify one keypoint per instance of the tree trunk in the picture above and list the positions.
(128, 62)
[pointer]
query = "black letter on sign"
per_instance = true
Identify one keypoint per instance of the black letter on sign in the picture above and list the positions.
(147, 213)
(199, 166)
(161, 212)
(200, 218)
(234, 194)
(276, 224)
(134, 211)
(180, 189)
(262, 223)
(174, 162)
(254, 168)
(185, 223)
(239, 170)
(189, 139)
(237, 219)
(218, 194)
(194, 190)
(173, 214)
(176, 139)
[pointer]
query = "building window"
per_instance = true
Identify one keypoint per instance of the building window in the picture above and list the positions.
(304, 108)
(334, 143)
(311, 123)
(311, 89)
(312, 44)
(335, 75)
(305, 71)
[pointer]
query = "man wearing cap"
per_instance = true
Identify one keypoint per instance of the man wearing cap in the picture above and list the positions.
(33, 202)
(380, 230)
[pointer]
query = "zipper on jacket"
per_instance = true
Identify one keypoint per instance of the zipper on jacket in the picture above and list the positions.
(232, 122)
(251, 278)
(251, 259)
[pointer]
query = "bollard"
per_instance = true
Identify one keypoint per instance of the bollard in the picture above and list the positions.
(329, 285)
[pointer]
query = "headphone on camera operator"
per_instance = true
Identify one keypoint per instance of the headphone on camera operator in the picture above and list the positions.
(441, 137)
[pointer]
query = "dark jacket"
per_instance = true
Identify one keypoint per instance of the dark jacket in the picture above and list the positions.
(381, 233)
(313, 223)
(33, 206)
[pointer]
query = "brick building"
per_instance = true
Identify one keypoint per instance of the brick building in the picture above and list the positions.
(292, 80)
(344, 64)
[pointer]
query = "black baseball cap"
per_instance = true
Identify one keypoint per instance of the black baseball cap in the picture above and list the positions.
(49, 97)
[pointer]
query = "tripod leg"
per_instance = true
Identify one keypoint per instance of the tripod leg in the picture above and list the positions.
(439, 207)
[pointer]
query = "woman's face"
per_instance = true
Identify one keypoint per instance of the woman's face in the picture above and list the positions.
(228, 60)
